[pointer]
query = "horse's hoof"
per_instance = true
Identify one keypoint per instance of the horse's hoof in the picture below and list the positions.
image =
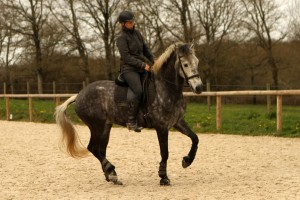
(165, 181)
(186, 162)
(114, 180)
(117, 182)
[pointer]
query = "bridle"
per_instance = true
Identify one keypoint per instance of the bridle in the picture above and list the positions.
(187, 78)
(178, 64)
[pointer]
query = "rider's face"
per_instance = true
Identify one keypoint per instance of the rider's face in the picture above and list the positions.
(129, 24)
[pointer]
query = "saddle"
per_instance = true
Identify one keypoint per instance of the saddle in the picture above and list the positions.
(122, 93)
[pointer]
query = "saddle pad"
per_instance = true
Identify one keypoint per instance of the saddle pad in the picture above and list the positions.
(120, 94)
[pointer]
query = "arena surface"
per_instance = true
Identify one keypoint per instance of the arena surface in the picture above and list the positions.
(226, 166)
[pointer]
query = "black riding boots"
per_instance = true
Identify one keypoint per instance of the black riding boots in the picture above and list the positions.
(132, 115)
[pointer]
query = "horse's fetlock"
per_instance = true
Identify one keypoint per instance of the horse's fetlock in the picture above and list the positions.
(186, 161)
(162, 173)
(108, 167)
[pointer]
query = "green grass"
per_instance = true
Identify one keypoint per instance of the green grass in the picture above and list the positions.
(236, 119)
(244, 120)
(43, 110)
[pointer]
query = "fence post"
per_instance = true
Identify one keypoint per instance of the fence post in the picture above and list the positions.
(7, 108)
(57, 101)
(208, 97)
(218, 113)
(83, 84)
(269, 99)
(279, 113)
(30, 109)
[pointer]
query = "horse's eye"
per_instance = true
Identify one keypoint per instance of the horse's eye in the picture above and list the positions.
(185, 65)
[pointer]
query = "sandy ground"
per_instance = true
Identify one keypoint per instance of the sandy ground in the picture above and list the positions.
(226, 167)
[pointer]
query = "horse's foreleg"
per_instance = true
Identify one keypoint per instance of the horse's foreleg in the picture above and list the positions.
(183, 128)
(164, 152)
(97, 146)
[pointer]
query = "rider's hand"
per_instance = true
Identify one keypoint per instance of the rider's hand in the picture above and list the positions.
(147, 68)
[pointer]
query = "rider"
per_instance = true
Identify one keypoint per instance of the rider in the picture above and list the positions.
(133, 51)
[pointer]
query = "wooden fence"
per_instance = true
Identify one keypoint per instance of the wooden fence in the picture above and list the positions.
(278, 93)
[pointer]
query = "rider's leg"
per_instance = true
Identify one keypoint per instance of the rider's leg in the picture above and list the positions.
(134, 81)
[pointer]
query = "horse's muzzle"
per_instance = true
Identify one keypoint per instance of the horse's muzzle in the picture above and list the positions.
(198, 89)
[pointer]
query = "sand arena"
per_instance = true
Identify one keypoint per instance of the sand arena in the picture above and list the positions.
(226, 166)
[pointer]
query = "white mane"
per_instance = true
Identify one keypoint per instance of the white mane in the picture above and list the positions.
(164, 57)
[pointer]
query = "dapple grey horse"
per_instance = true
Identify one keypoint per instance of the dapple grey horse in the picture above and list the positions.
(96, 107)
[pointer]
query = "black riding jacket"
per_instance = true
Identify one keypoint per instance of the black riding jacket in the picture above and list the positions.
(133, 51)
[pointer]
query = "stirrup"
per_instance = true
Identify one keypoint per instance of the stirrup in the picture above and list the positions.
(134, 127)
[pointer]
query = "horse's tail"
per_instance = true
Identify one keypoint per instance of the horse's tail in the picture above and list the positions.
(70, 140)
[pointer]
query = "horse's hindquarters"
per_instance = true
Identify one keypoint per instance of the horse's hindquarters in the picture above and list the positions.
(96, 103)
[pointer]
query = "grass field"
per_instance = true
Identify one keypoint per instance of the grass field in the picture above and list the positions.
(244, 120)
(236, 119)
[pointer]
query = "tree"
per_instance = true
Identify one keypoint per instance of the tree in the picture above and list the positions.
(6, 59)
(261, 19)
(104, 23)
(30, 20)
(148, 20)
(218, 18)
(184, 10)
(179, 17)
(66, 14)
(295, 20)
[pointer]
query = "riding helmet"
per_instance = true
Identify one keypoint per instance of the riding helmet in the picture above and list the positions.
(125, 16)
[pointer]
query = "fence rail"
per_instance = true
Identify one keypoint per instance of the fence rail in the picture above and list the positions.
(218, 95)
(277, 93)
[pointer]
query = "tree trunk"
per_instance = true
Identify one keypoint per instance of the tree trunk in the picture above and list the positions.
(40, 82)
(38, 64)
(274, 69)
(108, 53)
(109, 62)
(85, 61)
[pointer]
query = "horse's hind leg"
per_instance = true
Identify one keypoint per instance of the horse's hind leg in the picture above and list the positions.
(100, 132)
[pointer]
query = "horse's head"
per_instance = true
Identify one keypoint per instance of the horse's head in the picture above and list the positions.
(187, 64)
(182, 56)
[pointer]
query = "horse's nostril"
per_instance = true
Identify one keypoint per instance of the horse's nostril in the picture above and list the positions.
(198, 88)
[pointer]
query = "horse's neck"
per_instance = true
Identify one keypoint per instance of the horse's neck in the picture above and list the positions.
(169, 87)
